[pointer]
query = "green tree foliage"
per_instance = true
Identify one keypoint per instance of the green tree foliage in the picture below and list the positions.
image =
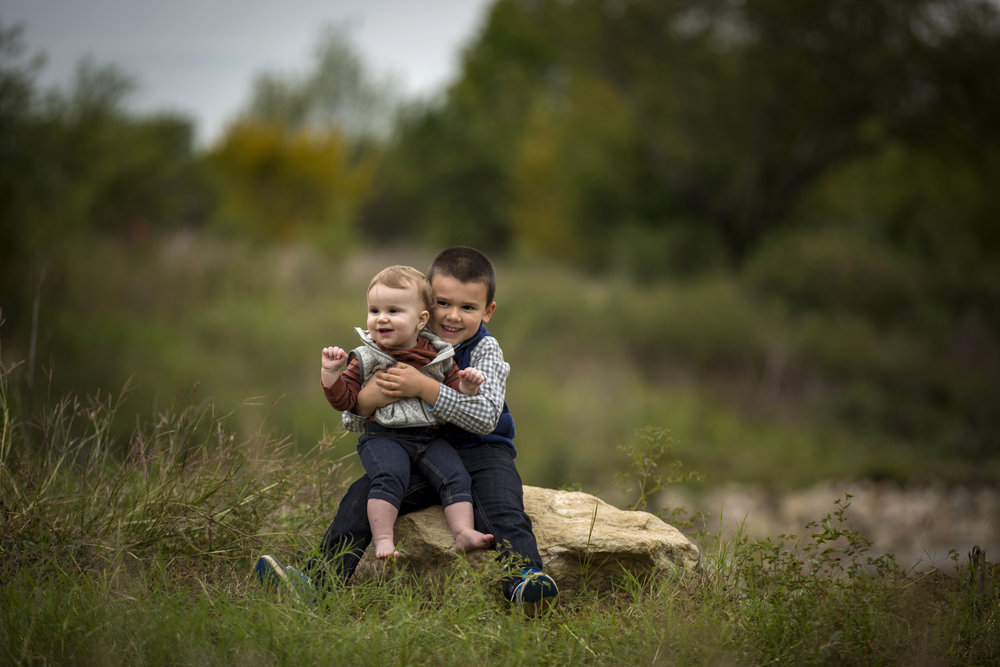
(638, 131)
(17, 72)
(299, 161)
(837, 157)
(448, 177)
(76, 163)
(278, 183)
(337, 91)
(129, 173)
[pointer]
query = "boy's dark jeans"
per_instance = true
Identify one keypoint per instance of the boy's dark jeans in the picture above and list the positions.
(498, 501)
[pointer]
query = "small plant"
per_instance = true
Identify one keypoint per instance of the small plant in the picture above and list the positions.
(650, 470)
(824, 591)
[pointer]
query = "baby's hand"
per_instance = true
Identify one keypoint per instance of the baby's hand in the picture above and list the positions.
(469, 381)
(334, 359)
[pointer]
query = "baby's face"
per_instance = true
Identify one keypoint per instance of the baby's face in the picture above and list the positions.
(395, 315)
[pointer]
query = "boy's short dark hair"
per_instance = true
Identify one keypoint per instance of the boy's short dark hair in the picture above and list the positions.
(467, 265)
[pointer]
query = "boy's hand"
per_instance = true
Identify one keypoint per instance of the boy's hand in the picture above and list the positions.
(370, 398)
(405, 381)
(400, 381)
(470, 380)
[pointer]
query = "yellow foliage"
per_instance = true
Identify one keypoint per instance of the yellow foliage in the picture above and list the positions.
(568, 157)
(279, 183)
(541, 216)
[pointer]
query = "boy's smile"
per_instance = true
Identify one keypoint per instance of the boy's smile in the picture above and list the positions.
(395, 316)
(459, 308)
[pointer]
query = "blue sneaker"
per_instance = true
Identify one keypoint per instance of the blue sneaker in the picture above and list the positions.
(536, 593)
(271, 574)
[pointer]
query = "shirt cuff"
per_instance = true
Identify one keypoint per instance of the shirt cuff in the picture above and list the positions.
(446, 404)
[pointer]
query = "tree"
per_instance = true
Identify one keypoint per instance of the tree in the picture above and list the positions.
(447, 176)
(299, 160)
(336, 93)
(658, 122)
(278, 183)
(75, 164)
(17, 181)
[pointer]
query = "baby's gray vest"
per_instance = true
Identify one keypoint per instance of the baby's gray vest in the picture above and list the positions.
(406, 412)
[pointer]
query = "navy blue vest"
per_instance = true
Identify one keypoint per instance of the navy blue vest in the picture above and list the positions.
(504, 432)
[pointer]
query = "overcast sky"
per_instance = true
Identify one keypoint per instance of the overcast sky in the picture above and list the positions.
(199, 57)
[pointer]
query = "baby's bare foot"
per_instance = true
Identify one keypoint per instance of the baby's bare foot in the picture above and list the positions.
(470, 540)
(385, 549)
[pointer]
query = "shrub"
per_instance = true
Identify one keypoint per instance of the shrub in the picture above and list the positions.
(839, 272)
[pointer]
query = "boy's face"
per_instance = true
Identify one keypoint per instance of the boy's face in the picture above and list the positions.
(459, 308)
(395, 315)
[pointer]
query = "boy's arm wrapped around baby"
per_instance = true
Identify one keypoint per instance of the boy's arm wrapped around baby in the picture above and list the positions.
(478, 413)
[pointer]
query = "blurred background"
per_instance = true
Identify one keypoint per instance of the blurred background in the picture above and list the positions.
(768, 227)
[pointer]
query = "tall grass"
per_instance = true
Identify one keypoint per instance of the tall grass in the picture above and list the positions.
(180, 486)
(139, 550)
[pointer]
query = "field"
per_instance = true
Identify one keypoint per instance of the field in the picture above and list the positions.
(162, 426)
(142, 553)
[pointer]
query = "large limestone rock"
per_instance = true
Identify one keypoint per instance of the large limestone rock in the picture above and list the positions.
(580, 537)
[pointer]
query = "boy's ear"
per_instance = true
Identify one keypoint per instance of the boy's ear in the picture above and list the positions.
(488, 312)
(425, 317)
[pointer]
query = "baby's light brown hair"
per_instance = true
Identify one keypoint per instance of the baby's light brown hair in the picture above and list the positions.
(398, 276)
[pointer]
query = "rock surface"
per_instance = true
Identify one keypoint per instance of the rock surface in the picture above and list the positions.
(581, 539)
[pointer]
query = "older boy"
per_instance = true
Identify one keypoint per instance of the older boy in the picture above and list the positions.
(480, 427)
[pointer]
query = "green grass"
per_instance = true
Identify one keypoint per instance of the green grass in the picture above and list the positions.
(139, 549)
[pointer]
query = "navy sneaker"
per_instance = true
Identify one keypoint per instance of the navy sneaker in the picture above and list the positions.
(536, 593)
(271, 574)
